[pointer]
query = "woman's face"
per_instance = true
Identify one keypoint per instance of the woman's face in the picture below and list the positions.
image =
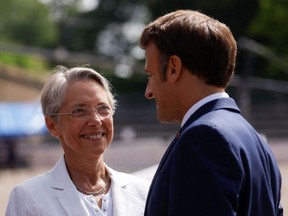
(88, 135)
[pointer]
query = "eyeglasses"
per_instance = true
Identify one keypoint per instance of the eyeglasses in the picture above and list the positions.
(102, 111)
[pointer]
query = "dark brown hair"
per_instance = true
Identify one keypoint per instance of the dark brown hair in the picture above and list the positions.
(205, 46)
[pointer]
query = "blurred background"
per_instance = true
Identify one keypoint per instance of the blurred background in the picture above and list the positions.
(37, 35)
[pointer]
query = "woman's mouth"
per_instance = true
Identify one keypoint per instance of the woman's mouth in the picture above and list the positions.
(93, 136)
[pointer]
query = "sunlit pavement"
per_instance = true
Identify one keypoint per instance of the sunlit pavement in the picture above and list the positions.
(138, 156)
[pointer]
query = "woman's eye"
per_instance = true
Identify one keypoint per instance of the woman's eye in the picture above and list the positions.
(103, 109)
(78, 112)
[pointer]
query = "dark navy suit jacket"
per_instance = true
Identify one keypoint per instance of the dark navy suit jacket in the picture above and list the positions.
(217, 165)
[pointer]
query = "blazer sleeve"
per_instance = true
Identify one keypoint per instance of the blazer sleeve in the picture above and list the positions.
(21, 202)
(280, 211)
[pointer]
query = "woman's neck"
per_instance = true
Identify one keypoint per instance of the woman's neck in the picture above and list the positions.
(88, 174)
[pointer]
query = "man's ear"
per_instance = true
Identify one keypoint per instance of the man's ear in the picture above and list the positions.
(174, 68)
(51, 126)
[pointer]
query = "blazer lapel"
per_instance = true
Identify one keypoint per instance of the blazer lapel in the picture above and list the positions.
(222, 103)
(166, 154)
(65, 191)
(162, 162)
(120, 196)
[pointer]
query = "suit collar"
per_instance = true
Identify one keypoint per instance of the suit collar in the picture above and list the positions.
(221, 103)
(69, 198)
(201, 102)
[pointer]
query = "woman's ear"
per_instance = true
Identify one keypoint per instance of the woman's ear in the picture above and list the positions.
(174, 68)
(51, 126)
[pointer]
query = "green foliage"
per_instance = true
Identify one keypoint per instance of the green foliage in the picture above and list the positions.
(26, 62)
(237, 14)
(27, 22)
(110, 14)
(270, 27)
(137, 81)
(60, 23)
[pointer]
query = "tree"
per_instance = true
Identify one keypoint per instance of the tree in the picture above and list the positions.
(270, 25)
(237, 14)
(269, 28)
(27, 22)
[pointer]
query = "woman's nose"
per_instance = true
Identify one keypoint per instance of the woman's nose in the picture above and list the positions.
(95, 117)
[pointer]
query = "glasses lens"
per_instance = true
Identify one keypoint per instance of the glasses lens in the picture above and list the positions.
(104, 111)
(79, 112)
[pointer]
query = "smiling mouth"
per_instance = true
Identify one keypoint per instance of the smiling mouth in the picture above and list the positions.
(93, 136)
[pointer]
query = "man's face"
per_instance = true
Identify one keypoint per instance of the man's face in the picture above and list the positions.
(157, 88)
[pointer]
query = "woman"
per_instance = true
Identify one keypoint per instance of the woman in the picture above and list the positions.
(78, 107)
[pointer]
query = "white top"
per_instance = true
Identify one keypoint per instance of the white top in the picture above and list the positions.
(53, 193)
(200, 103)
(93, 208)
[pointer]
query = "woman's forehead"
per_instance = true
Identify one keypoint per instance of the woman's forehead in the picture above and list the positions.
(88, 91)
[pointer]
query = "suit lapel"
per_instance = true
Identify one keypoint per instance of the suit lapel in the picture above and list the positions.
(120, 196)
(165, 156)
(120, 200)
(162, 162)
(65, 191)
(223, 103)
(70, 201)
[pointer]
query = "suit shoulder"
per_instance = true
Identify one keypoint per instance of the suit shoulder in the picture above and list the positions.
(34, 182)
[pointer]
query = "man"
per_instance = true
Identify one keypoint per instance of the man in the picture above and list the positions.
(217, 164)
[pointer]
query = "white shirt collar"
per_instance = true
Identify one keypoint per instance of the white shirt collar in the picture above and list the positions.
(200, 103)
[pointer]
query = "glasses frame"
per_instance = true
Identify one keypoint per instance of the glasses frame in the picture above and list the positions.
(87, 112)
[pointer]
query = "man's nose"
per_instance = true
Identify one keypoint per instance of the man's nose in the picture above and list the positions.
(148, 92)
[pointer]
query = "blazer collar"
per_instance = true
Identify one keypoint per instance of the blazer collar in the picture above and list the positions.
(68, 196)
(65, 190)
(221, 103)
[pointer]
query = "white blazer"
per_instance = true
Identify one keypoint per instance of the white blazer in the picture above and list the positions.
(53, 193)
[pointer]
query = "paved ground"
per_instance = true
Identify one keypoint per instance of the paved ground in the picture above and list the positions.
(129, 156)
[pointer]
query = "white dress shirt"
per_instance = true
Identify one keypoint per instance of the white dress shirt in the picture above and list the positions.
(200, 103)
